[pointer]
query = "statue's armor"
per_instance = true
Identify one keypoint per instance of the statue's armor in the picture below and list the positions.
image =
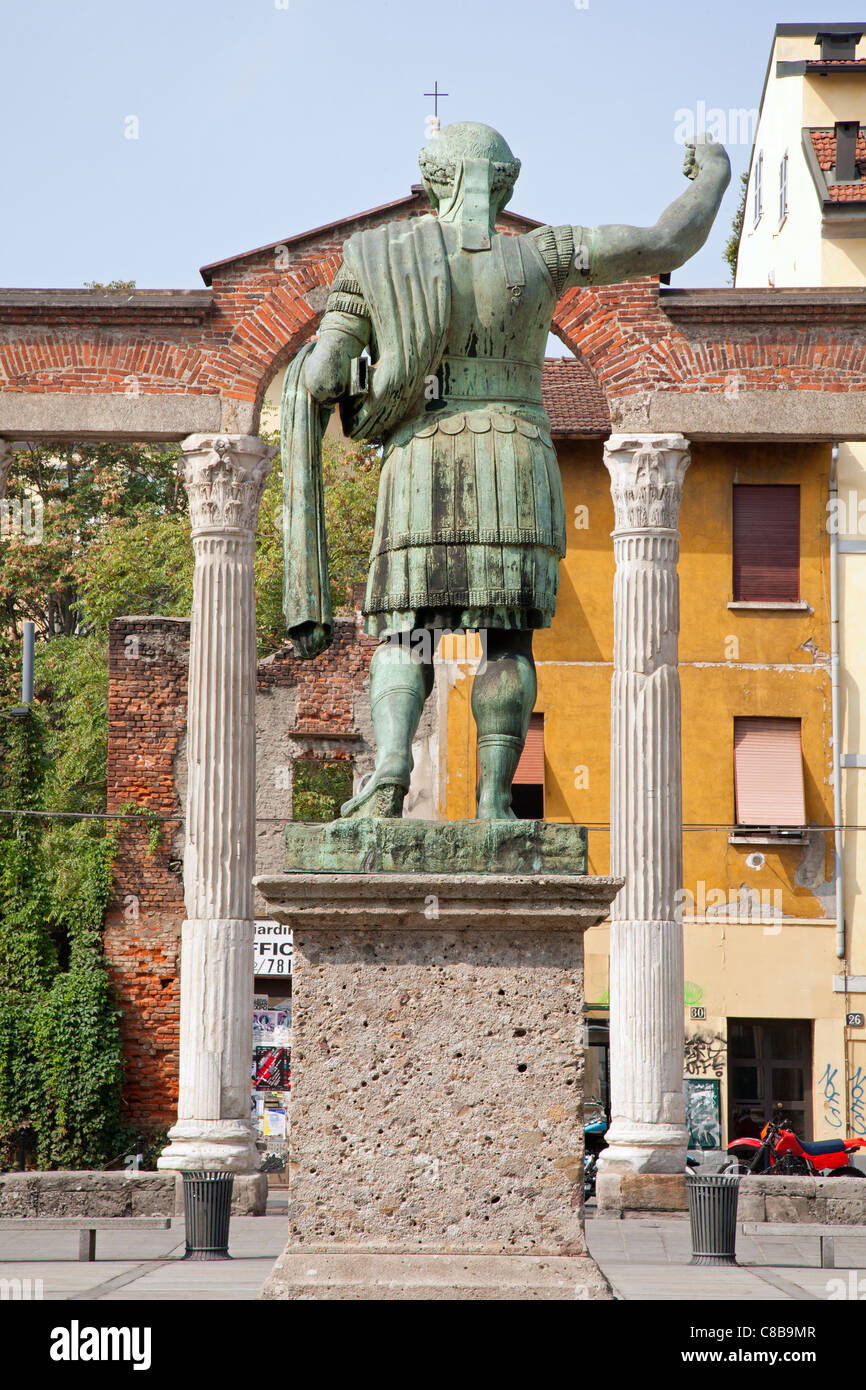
(470, 519)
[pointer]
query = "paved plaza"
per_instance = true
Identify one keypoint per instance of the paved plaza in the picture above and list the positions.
(642, 1257)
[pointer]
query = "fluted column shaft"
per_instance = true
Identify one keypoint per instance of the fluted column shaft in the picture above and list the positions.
(648, 1131)
(225, 476)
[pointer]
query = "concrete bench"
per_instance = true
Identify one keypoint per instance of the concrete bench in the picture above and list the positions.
(86, 1226)
(825, 1235)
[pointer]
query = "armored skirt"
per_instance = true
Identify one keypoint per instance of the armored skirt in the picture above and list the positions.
(470, 524)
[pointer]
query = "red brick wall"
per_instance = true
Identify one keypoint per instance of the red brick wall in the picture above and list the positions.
(148, 660)
(261, 314)
(327, 686)
(148, 665)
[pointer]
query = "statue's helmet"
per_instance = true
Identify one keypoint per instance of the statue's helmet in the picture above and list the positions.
(441, 159)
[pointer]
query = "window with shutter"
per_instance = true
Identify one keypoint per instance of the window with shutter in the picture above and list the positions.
(768, 773)
(766, 543)
(758, 204)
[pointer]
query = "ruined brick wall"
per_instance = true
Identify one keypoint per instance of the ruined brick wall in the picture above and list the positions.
(303, 709)
(148, 660)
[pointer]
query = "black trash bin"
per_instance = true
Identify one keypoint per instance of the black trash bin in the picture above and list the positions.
(713, 1215)
(207, 1207)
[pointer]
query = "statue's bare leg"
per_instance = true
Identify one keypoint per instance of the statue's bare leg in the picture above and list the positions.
(400, 682)
(503, 696)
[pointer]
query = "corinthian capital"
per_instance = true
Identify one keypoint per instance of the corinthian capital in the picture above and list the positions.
(225, 475)
(646, 479)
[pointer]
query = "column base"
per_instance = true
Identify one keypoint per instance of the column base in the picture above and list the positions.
(642, 1169)
(361, 1276)
(645, 1146)
(226, 1145)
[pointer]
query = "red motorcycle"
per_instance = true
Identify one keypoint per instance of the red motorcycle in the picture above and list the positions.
(779, 1151)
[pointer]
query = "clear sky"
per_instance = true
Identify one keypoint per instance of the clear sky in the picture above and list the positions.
(261, 118)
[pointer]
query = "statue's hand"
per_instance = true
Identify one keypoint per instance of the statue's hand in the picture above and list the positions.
(309, 640)
(703, 154)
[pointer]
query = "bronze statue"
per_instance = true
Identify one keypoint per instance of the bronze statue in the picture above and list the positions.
(470, 521)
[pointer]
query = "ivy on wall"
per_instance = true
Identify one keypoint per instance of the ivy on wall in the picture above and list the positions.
(319, 789)
(60, 1054)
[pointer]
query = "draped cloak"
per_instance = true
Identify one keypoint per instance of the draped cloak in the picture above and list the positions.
(402, 269)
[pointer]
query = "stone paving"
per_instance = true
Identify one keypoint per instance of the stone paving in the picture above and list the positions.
(647, 1257)
(643, 1257)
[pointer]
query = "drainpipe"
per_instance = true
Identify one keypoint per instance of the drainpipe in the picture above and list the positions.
(837, 727)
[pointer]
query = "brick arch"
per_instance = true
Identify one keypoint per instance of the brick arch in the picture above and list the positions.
(168, 363)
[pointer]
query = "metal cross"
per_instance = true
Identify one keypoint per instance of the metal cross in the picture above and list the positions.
(436, 94)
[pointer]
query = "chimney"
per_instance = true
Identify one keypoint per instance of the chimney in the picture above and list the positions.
(838, 46)
(846, 151)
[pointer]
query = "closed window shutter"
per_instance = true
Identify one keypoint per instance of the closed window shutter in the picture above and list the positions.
(766, 543)
(768, 772)
(531, 765)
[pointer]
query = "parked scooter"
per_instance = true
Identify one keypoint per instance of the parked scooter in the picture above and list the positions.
(780, 1152)
(593, 1141)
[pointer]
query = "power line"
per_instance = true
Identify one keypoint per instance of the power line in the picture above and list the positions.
(145, 812)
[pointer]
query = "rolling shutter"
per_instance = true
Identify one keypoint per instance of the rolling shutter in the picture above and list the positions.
(768, 772)
(531, 766)
(766, 543)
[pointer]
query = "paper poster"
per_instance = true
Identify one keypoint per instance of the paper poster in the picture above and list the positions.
(282, 1028)
(271, 1068)
(274, 1123)
(703, 1112)
(263, 1027)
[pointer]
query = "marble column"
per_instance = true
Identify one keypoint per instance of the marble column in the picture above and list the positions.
(648, 1133)
(224, 476)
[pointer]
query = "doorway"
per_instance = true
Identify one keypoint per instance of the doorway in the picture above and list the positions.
(769, 1073)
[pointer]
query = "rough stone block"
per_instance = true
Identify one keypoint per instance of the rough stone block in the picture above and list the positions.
(750, 1206)
(779, 1187)
(799, 1208)
(654, 1192)
(437, 1101)
(840, 1201)
(622, 1190)
(18, 1194)
(438, 1091)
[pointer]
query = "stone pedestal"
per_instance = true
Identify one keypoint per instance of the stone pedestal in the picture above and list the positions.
(436, 1142)
(648, 1135)
(225, 476)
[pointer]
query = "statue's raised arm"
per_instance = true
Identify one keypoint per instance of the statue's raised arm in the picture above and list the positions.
(607, 255)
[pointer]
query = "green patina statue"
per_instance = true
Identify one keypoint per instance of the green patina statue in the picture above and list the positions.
(470, 521)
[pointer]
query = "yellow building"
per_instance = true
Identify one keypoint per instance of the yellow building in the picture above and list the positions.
(812, 232)
(762, 1018)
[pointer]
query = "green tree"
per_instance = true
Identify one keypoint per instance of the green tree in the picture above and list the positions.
(108, 534)
(732, 245)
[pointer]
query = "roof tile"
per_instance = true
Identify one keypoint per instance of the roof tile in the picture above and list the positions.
(573, 399)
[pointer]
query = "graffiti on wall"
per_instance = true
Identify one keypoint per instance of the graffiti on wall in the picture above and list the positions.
(857, 1100)
(829, 1084)
(705, 1055)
